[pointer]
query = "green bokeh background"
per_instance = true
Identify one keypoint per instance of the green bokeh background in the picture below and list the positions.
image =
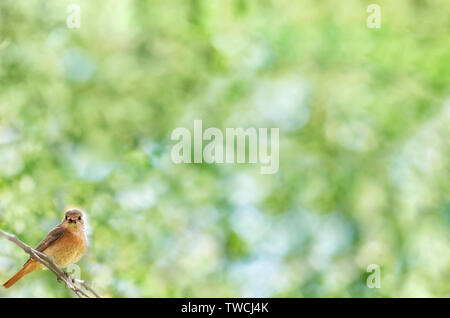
(86, 116)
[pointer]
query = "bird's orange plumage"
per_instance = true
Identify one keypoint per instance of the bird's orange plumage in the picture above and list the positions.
(29, 266)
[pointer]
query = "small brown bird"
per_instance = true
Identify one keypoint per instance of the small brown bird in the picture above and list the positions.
(66, 244)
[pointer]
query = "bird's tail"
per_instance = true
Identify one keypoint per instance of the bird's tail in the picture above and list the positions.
(29, 266)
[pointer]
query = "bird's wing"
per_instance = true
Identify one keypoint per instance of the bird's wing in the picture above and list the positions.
(51, 238)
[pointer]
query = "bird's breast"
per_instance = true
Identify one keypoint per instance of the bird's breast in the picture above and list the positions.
(68, 249)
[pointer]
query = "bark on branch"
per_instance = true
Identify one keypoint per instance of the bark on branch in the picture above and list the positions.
(79, 287)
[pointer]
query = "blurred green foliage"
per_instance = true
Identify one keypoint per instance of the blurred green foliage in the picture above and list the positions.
(86, 116)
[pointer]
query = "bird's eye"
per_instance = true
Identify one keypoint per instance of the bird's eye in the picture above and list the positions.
(79, 218)
(66, 217)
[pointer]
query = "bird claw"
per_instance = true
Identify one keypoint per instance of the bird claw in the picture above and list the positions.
(67, 277)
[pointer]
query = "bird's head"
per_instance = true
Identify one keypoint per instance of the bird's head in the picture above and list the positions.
(74, 218)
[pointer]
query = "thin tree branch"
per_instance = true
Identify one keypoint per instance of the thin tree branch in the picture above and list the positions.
(87, 287)
(48, 262)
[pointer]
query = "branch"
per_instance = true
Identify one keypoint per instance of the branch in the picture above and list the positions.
(48, 262)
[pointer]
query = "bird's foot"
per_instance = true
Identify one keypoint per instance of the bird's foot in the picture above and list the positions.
(67, 277)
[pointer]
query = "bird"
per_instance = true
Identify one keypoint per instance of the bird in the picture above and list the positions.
(66, 244)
